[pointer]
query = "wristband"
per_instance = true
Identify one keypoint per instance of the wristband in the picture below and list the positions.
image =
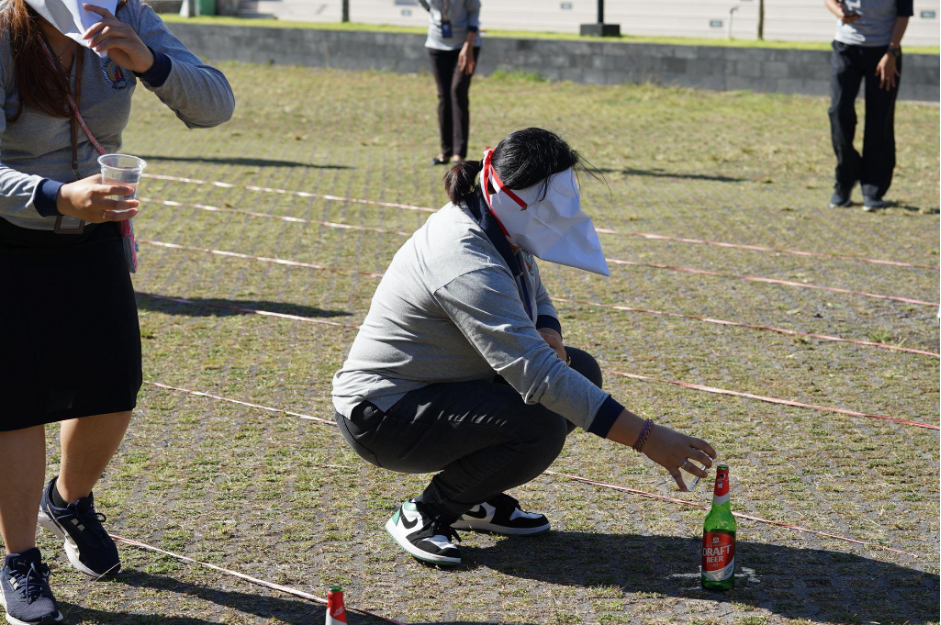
(642, 437)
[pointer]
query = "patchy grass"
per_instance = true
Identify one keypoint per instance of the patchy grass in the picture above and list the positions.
(285, 499)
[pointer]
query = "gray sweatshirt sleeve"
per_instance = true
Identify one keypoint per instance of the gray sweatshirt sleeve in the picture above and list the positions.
(485, 305)
(547, 317)
(473, 15)
(199, 94)
(18, 191)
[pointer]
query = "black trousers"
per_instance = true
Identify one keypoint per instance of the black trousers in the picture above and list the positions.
(873, 170)
(453, 101)
(480, 435)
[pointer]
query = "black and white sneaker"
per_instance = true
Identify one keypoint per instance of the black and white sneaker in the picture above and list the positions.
(87, 544)
(502, 515)
(423, 535)
(25, 592)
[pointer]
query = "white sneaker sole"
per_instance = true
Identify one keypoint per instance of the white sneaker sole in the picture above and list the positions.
(500, 529)
(71, 549)
(415, 552)
(58, 618)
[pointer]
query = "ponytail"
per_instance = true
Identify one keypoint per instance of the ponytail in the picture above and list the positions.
(461, 180)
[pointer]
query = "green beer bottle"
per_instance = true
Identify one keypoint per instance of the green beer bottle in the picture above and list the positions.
(718, 537)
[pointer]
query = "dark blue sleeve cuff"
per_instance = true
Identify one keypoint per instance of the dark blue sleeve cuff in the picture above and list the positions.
(473, 29)
(608, 413)
(904, 8)
(547, 321)
(159, 71)
(46, 195)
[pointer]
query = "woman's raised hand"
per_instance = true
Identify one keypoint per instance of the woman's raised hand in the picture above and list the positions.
(87, 200)
(119, 40)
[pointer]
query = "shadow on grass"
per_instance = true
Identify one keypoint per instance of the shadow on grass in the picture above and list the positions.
(261, 604)
(217, 307)
(812, 584)
(661, 173)
(238, 160)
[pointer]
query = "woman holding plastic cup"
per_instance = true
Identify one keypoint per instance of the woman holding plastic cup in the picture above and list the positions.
(69, 337)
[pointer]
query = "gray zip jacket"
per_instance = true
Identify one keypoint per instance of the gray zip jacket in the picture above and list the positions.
(456, 305)
(35, 150)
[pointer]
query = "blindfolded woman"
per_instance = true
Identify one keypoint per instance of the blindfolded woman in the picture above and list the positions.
(460, 367)
(70, 347)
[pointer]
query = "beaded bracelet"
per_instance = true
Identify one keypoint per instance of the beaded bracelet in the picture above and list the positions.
(642, 437)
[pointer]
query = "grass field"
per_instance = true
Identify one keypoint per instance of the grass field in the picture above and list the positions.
(284, 499)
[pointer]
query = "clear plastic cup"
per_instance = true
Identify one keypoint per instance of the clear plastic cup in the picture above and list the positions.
(122, 169)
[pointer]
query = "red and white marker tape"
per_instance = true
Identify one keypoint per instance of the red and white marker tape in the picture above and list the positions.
(553, 473)
(770, 400)
(822, 337)
(616, 261)
(644, 235)
(248, 578)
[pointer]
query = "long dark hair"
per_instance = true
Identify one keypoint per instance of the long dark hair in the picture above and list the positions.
(40, 87)
(524, 158)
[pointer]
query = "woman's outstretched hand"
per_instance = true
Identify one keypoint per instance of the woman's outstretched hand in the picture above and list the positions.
(88, 200)
(119, 40)
(674, 450)
(670, 449)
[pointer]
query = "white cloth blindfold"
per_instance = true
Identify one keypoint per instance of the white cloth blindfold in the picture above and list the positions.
(70, 19)
(553, 228)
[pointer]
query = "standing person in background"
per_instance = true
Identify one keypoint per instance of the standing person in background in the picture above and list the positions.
(454, 46)
(70, 347)
(868, 44)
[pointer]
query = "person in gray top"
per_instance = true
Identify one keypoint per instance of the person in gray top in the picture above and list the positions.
(454, 46)
(867, 45)
(460, 367)
(70, 348)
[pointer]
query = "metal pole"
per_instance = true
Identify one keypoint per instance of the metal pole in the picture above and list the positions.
(761, 20)
(601, 11)
(731, 13)
(346, 11)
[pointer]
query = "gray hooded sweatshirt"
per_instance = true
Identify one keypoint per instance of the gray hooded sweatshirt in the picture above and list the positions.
(36, 149)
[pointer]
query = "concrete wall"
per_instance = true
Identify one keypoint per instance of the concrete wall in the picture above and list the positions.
(785, 20)
(706, 67)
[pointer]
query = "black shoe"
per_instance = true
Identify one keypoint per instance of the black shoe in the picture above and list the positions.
(423, 535)
(872, 203)
(25, 592)
(87, 544)
(841, 196)
(502, 515)
(441, 161)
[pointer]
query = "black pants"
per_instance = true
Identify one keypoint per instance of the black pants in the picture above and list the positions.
(481, 436)
(873, 170)
(453, 102)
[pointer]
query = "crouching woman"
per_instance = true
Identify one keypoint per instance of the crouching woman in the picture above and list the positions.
(460, 366)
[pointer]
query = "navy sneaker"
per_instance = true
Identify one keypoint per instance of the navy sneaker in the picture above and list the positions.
(87, 544)
(424, 535)
(841, 196)
(871, 204)
(24, 590)
(502, 515)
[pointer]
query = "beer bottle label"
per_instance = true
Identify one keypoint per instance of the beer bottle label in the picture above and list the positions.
(718, 556)
(721, 493)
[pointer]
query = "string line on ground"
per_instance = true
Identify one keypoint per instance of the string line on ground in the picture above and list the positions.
(723, 322)
(552, 473)
(617, 261)
(644, 235)
(636, 376)
(248, 578)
